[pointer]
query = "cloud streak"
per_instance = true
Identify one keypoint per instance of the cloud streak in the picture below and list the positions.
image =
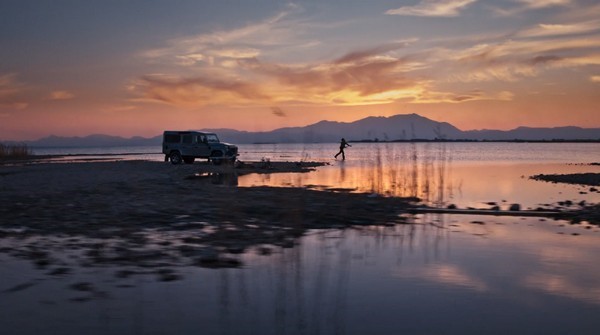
(443, 8)
(544, 30)
(527, 5)
(536, 4)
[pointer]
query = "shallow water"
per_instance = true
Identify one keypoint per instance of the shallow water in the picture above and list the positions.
(464, 174)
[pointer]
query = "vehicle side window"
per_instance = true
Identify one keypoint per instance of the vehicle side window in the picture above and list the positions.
(201, 139)
(187, 139)
(172, 138)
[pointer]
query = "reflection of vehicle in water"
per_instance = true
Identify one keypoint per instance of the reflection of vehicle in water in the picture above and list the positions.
(186, 146)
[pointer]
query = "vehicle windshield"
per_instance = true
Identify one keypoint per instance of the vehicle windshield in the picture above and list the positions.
(212, 138)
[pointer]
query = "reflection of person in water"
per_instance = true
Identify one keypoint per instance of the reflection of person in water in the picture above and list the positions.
(343, 145)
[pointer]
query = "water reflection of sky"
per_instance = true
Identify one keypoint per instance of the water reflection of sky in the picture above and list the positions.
(506, 275)
(442, 275)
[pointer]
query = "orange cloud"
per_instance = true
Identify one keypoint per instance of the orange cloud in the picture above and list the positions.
(358, 78)
(198, 91)
(363, 76)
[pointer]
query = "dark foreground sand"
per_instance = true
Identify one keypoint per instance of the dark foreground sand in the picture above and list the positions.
(154, 215)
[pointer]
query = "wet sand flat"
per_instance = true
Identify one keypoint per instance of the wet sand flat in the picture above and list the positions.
(196, 209)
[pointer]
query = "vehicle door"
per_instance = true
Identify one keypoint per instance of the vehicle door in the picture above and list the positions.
(202, 149)
(195, 145)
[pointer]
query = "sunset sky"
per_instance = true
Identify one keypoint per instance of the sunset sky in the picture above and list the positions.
(74, 68)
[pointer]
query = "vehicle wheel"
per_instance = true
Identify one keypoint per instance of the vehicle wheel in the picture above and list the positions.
(188, 160)
(215, 157)
(175, 158)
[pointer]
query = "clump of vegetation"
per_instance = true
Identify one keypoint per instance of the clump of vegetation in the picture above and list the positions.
(14, 151)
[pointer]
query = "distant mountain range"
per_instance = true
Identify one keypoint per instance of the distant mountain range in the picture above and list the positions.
(397, 127)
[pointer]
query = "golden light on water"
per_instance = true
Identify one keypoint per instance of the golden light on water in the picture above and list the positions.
(438, 180)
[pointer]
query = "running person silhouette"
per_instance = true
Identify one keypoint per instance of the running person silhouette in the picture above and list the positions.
(343, 145)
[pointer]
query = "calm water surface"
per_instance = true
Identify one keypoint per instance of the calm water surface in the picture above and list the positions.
(440, 275)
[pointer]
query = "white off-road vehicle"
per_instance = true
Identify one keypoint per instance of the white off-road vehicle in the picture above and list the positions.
(186, 146)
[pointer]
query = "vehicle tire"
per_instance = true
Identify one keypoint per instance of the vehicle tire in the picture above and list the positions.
(188, 160)
(175, 158)
(216, 157)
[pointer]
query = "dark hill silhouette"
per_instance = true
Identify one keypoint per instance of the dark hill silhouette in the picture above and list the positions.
(403, 127)
(397, 127)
